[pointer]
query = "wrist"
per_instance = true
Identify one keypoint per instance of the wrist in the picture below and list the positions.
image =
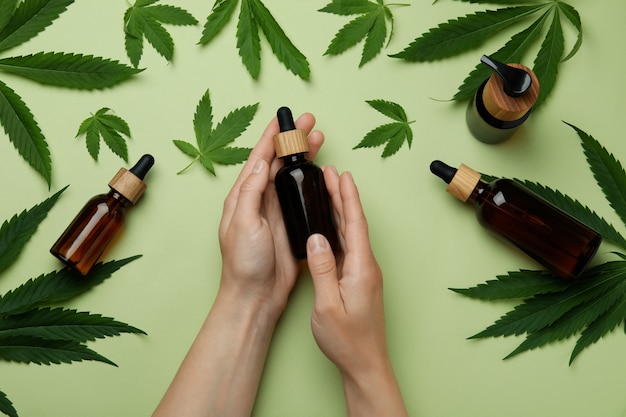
(373, 391)
(248, 305)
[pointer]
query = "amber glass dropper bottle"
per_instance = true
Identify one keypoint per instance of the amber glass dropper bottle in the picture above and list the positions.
(88, 235)
(560, 242)
(301, 189)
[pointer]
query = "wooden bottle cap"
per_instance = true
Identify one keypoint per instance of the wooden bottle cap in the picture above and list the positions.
(504, 107)
(463, 183)
(290, 142)
(128, 184)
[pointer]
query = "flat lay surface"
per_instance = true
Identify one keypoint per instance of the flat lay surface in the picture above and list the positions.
(425, 240)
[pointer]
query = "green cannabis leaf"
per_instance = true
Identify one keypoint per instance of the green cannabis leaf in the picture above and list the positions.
(33, 332)
(20, 21)
(16, 232)
(471, 31)
(6, 406)
(394, 134)
(144, 19)
(213, 142)
(553, 309)
(253, 15)
(110, 128)
(371, 25)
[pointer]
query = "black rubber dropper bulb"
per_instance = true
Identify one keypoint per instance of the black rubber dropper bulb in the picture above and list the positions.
(142, 166)
(516, 81)
(285, 119)
(443, 171)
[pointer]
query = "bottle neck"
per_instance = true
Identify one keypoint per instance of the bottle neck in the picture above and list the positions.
(294, 159)
(115, 195)
(479, 192)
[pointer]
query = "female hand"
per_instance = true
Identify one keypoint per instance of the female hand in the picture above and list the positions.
(348, 316)
(257, 260)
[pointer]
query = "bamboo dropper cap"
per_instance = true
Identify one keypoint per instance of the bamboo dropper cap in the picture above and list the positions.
(461, 182)
(129, 183)
(290, 140)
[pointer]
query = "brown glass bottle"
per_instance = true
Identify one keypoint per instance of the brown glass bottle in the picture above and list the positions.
(88, 235)
(301, 189)
(553, 238)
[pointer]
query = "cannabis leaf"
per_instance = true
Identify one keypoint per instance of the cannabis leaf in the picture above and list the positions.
(470, 32)
(56, 286)
(20, 21)
(553, 309)
(16, 232)
(6, 406)
(212, 142)
(371, 25)
(84, 72)
(110, 128)
(394, 134)
(253, 15)
(144, 19)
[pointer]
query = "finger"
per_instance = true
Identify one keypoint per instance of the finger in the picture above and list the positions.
(331, 178)
(249, 200)
(323, 271)
(315, 140)
(264, 149)
(355, 223)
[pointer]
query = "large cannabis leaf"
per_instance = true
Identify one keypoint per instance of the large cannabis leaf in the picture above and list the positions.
(253, 15)
(371, 25)
(110, 128)
(553, 309)
(33, 332)
(213, 142)
(393, 134)
(471, 31)
(20, 21)
(144, 19)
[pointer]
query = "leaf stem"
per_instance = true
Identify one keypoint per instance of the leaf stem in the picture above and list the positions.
(187, 167)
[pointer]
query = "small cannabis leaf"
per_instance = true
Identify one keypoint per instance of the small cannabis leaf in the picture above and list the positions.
(144, 19)
(553, 309)
(212, 142)
(471, 31)
(20, 21)
(394, 134)
(371, 25)
(108, 126)
(253, 15)
(16, 232)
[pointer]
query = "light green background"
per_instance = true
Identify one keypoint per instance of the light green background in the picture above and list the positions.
(424, 240)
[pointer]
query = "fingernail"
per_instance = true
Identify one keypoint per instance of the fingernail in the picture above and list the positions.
(317, 243)
(258, 166)
(334, 169)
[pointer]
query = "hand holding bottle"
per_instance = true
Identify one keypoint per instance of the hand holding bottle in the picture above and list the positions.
(257, 260)
(348, 318)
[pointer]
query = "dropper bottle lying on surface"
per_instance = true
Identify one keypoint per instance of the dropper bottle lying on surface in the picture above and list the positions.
(88, 235)
(301, 189)
(553, 238)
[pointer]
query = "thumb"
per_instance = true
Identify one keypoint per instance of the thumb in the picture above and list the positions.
(323, 268)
